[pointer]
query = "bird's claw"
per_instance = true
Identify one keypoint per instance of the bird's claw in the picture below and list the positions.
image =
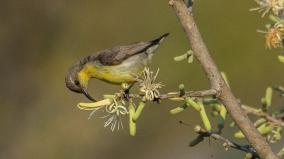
(126, 95)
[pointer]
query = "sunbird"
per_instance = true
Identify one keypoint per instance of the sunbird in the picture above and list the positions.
(116, 65)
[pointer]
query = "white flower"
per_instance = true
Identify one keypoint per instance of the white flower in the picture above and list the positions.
(113, 114)
(266, 5)
(147, 85)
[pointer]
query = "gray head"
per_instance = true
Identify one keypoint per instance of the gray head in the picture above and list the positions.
(73, 83)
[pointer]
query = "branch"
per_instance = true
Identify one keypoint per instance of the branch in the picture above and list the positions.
(170, 95)
(213, 74)
(227, 142)
(260, 113)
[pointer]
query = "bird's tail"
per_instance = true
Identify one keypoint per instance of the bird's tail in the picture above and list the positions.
(159, 39)
(154, 44)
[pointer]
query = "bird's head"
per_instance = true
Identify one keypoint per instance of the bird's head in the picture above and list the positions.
(77, 80)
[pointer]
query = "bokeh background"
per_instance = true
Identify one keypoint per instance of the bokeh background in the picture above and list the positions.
(40, 39)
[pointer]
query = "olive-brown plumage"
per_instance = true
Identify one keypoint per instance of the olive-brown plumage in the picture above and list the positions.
(117, 65)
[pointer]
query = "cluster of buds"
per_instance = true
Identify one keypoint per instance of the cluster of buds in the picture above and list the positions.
(272, 131)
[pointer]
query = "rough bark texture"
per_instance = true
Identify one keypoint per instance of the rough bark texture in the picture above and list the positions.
(223, 91)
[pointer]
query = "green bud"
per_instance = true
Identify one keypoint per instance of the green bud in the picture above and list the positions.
(248, 156)
(217, 107)
(181, 57)
(181, 87)
(132, 124)
(215, 113)
(178, 109)
(265, 129)
(239, 135)
(132, 128)
(204, 117)
(197, 128)
(277, 136)
(268, 96)
(223, 112)
(138, 111)
(191, 102)
(281, 152)
(190, 56)
(281, 58)
(260, 121)
(232, 124)
(196, 140)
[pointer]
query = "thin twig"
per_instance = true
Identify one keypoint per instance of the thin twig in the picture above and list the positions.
(276, 120)
(224, 93)
(209, 92)
(227, 142)
(260, 113)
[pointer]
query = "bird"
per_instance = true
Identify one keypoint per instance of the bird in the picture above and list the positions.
(116, 65)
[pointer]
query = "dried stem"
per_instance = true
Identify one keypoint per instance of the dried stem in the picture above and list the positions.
(224, 93)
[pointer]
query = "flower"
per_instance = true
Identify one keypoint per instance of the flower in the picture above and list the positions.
(266, 5)
(112, 111)
(274, 35)
(147, 85)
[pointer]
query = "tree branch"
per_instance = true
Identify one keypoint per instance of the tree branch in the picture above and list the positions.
(171, 95)
(257, 112)
(227, 142)
(213, 74)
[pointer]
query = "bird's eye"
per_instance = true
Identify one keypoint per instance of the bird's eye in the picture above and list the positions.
(77, 83)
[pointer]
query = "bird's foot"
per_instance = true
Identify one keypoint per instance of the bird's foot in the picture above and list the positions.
(126, 95)
(125, 91)
(158, 100)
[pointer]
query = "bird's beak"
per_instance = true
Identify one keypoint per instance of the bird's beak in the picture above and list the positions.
(85, 92)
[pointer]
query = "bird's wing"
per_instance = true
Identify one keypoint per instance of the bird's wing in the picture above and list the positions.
(116, 55)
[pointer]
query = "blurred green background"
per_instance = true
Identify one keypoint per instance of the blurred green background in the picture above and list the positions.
(40, 39)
